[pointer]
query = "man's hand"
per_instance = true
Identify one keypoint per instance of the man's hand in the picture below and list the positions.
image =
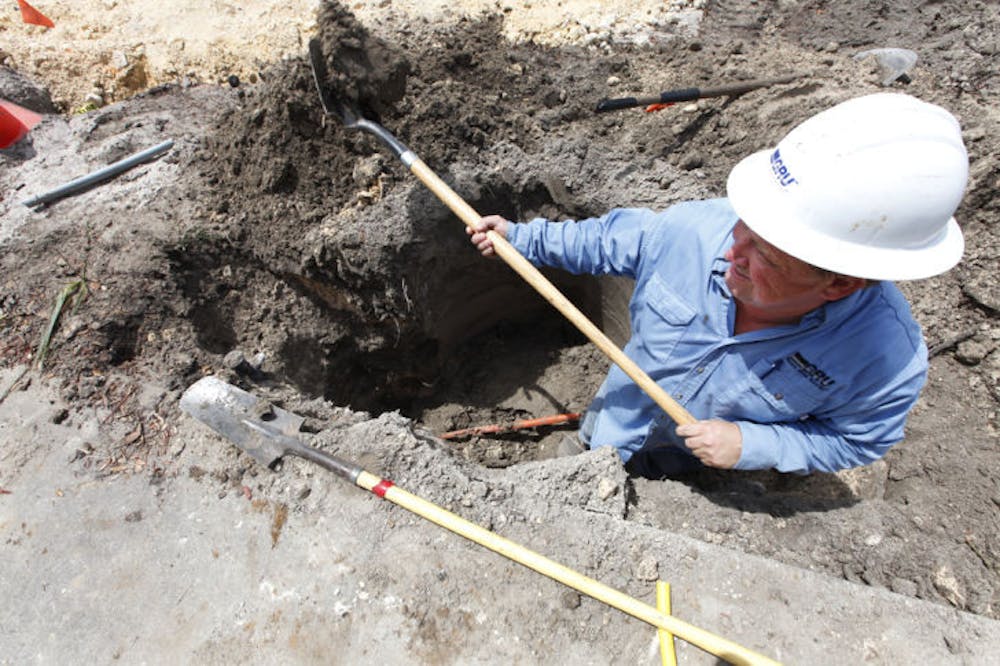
(715, 443)
(479, 237)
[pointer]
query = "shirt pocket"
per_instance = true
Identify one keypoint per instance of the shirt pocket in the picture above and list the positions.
(782, 393)
(662, 319)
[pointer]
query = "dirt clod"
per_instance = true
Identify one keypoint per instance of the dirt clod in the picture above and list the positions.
(362, 69)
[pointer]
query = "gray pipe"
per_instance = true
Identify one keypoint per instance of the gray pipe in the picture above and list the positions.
(99, 175)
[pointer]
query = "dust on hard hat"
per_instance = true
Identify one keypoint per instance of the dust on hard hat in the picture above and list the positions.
(867, 188)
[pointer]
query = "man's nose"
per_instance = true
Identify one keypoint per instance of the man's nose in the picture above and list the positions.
(735, 253)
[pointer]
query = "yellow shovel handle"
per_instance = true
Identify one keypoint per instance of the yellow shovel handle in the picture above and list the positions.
(716, 645)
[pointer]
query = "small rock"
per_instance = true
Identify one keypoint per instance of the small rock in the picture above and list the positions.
(866, 482)
(570, 599)
(234, 359)
(983, 291)
(133, 517)
(692, 161)
(367, 170)
(606, 488)
(972, 351)
(647, 569)
(948, 587)
(613, 80)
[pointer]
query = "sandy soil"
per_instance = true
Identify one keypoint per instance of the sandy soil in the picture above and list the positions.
(271, 231)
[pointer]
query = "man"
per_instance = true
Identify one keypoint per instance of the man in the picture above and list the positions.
(769, 314)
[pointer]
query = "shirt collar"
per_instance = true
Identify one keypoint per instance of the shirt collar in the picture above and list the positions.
(718, 276)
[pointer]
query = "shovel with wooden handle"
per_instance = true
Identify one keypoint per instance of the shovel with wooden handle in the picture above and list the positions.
(352, 119)
(268, 433)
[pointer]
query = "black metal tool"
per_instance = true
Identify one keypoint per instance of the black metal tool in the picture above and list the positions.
(691, 94)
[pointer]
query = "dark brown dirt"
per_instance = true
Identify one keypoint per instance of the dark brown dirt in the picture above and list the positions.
(288, 235)
(358, 68)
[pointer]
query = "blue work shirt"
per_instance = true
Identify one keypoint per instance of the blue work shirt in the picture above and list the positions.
(828, 393)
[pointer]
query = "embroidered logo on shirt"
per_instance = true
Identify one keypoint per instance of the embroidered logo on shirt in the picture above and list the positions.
(780, 170)
(810, 371)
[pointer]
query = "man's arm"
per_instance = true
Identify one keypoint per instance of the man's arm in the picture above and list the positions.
(784, 447)
(858, 433)
(602, 245)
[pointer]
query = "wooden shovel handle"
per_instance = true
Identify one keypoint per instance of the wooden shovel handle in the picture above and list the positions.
(534, 277)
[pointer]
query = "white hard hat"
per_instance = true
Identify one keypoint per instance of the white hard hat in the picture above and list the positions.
(866, 188)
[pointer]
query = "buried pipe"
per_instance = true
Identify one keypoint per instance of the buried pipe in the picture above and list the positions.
(523, 424)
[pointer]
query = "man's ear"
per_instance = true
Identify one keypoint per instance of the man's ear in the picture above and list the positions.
(841, 286)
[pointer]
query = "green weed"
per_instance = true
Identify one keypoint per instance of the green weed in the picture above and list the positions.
(73, 293)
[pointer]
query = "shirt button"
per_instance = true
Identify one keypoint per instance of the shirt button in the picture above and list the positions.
(700, 370)
(679, 396)
(779, 396)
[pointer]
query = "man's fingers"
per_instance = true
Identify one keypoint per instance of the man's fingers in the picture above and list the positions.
(690, 429)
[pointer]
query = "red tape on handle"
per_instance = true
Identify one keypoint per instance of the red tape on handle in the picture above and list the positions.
(382, 487)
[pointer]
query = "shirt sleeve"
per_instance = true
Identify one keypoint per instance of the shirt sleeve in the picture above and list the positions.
(610, 244)
(858, 433)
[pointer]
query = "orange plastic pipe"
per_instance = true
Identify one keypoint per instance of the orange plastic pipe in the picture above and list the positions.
(555, 419)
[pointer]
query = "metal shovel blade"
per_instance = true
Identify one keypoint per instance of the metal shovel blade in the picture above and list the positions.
(348, 112)
(321, 77)
(260, 428)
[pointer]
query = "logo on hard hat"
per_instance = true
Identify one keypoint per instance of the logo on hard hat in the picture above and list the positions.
(781, 171)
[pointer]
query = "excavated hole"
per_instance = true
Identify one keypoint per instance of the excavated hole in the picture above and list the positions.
(475, 344)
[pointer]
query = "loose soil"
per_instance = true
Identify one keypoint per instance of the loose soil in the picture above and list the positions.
(271, 233)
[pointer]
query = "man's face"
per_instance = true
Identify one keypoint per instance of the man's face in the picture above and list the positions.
(766, 279)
